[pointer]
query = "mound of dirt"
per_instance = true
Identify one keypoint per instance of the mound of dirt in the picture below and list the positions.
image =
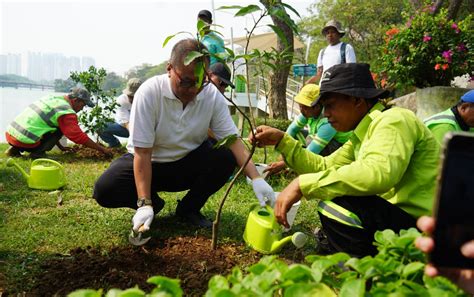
(190, 259)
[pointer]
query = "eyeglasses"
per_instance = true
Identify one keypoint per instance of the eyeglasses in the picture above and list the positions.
(189, 83)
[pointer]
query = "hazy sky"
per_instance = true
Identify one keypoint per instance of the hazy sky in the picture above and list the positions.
(118, 34)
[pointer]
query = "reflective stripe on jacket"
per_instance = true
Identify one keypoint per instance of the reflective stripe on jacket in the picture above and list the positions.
(338, 213)
(39, 118)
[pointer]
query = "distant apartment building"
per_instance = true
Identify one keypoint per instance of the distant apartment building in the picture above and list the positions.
(51, 66)
(10, 64)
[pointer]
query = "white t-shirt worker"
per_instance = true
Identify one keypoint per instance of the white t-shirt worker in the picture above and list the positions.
(336, 52)
(169, 148)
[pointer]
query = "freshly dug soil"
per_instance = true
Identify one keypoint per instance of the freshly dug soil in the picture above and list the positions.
(88, 153)
(190, 259)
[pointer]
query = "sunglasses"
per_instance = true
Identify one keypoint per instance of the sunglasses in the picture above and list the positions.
(188, 83)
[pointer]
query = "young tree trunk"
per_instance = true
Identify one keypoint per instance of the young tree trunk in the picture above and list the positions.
(437, 6)
(453, 9)
(279, 77)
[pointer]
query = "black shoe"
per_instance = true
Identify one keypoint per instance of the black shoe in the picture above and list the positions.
(323, 247)
(194, 218)
(158, 205)
(13, 152)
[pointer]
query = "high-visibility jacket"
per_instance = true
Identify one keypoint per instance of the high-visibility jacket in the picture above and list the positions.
(443, 122)
(39, 118)
(320, 132)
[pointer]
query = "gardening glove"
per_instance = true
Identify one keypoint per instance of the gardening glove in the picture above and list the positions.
(143, 216)
(263, 191)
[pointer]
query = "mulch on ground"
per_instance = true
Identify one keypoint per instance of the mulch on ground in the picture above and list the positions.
(190, 259)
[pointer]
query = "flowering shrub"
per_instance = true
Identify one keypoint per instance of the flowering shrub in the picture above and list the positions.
(429, 50)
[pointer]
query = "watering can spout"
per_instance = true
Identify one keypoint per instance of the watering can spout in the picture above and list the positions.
(277, 245)
(12, 163)
(298, 239)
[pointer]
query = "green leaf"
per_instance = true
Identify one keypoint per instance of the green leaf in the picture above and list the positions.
(229, 7)
(168, 38)
(307, 290)
(86, 293)
(291, 8)
(248, 9)
(166, 284)
(353, 288)
(279, 32)
(218, 282)
(299, 273)
(191, 56)
(412, 268)
(132, 292)
(226, 142)
(241, 77)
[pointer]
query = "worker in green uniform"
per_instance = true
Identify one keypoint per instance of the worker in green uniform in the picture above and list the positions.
(320, 137)
(382, 178)
(460, 117)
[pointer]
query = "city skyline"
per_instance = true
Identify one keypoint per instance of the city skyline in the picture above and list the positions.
(40, 66)
(118, 35)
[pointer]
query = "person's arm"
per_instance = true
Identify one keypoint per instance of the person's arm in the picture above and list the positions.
(298, 123)
(261, 188)
(379, 166)
(350, 54)
(440, 130)
(314, 79)
(142, 171)
(69, 126)
(322, 137)
(464, 278)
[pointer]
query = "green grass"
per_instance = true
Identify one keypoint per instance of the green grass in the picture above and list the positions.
(35, 228)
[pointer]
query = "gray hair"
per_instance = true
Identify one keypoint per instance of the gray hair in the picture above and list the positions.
(183, 48)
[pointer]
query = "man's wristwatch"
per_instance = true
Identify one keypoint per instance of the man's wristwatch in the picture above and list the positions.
(142, 201)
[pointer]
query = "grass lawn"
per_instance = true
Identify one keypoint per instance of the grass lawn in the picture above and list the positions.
(35, 228)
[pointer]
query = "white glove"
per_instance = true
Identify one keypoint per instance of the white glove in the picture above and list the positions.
(263, 190)
(143, 216)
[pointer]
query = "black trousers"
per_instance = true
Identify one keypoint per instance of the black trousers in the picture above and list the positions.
(47, 142)
(203, 172)
(375, 213)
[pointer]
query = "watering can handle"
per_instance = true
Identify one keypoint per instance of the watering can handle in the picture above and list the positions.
(47, 161)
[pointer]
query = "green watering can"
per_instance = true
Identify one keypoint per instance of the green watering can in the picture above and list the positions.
(45, 174)
(264, 234)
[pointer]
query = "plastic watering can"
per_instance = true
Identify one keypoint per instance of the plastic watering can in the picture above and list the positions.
(264, 234)
(45, 174)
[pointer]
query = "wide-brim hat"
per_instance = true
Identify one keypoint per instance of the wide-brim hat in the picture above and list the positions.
(333, 24)
(222, 72)
(307, 94)
(351, 79)
(81, 94)
(132, 86)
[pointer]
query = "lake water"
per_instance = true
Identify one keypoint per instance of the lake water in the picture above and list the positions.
(13, 101)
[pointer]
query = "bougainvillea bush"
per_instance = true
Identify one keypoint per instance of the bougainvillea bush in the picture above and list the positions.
(429, 50)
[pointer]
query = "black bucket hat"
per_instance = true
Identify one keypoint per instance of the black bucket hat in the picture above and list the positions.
(352, 79)
(222, 72)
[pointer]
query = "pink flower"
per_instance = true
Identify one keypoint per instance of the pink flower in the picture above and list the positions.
(445, 66)
(447, 55)
(426, 38)
(437, 67)
(455, 27)
(461, 47)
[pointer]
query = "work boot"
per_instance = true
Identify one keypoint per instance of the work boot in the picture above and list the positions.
(13, 152)
(194, 218)
(323, 247)
(37, 155)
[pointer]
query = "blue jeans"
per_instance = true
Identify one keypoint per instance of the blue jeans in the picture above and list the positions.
(112, 130)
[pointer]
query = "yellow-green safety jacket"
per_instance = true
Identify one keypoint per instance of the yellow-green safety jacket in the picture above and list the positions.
(390, 154)
(39, 118)
(443, 122)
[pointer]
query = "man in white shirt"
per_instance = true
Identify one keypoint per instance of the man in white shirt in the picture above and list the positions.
(169, 148)
(336, 52)
(122, 116)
